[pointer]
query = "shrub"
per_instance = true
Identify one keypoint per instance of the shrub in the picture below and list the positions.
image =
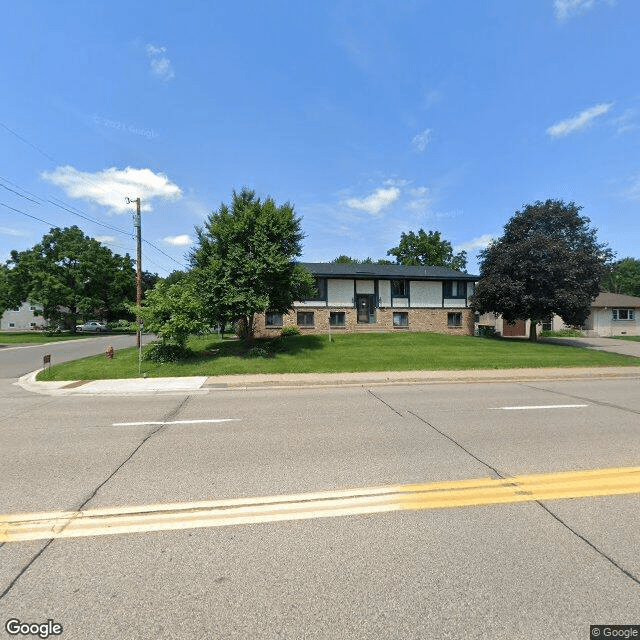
(290, 331)
(257, 352)
(563, 333)
(487, 332)
(164, 352)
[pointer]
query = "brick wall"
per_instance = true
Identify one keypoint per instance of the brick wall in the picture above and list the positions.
(424, 320)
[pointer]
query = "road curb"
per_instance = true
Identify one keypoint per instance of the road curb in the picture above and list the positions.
(202, 384)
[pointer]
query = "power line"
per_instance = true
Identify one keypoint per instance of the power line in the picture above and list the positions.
(46, 155)
(84, 217)
(17, 186)
(51, 159)
(4, 186)
(17, 135)
(61, 205)
(27, 214)
(181, 264)
(51, 224)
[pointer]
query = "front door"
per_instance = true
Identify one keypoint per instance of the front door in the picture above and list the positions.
(364, 301)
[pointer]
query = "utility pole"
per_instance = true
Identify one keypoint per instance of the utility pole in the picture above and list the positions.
(138, 225)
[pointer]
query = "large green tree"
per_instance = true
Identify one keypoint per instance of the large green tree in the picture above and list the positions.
(623, 277)
(11, 289)
(429, 249)
(344, 259)
(173, 311)
(244, 261)
(548, 261)
(72, 275)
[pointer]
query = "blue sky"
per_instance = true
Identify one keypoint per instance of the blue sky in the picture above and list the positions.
(372, 118)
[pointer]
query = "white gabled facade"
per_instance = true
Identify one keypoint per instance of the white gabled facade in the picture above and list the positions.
(22, 318)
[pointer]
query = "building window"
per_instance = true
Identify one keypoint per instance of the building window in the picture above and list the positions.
(399, 289)
(305, 318)
(454, 319)
(401, 319)
(272, 319)
(454, 289)
(547, 324)
(12, 324)
(337, 318)
(623, 314)
(321, 289)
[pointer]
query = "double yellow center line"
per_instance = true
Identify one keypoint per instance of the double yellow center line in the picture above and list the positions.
(221, 513)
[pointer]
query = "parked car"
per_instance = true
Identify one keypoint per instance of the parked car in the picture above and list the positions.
(95, 327)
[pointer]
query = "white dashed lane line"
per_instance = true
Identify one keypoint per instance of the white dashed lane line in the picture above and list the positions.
(138, 424)
(541, 406)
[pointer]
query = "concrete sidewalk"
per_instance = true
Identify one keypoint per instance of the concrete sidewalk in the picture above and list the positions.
(203, 384)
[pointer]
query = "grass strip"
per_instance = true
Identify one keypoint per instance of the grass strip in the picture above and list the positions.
(346, 352)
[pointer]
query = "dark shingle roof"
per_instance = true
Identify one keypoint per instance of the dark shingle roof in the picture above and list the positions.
(364, 271)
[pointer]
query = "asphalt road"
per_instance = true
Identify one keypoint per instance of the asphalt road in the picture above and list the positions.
(532, 569)
(17, 360)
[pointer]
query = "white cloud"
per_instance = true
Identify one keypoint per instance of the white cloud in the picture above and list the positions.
(152, 50)
(161, 66)
(377, 201)
(632, 192)
(396, 182)
(565, 9)
(104, 238)
(420, 199)
(476, 243)
(8, 231)
(110, 187)
(421, 140)
(432, 97)
(626, 122)
(576, 123)
(178, 241)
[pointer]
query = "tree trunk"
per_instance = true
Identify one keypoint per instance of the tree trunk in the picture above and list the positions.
(246, 326)
(533, 330)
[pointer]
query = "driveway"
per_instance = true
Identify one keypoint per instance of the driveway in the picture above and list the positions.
(625, 347)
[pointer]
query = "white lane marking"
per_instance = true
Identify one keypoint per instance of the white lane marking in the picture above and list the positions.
(137, 424)
(541, 406)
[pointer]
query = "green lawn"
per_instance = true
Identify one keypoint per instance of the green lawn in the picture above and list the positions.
(31, 337)
(632, 338)
(347, 352)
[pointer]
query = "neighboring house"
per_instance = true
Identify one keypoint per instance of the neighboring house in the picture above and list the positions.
(520, 327)
(371, 297)
(21, 318)
(612, 314)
